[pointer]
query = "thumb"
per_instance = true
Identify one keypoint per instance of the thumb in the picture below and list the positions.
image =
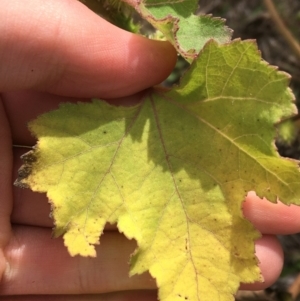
(62, 47)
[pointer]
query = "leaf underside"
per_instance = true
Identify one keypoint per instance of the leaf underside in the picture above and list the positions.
(172, 172)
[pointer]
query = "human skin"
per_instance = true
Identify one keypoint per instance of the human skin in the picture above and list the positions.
(56, 51)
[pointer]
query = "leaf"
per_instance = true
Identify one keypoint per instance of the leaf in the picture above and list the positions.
(115, 12)
(177, 21)
(172, 172)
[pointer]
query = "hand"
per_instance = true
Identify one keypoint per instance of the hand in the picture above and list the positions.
(55, 51)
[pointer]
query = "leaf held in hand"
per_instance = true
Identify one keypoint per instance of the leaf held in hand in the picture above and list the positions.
(173, 171)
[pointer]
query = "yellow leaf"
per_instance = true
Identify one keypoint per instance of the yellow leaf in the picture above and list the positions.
(172, 172)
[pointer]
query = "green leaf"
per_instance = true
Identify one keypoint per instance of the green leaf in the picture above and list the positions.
(173, 171)
(176, 20)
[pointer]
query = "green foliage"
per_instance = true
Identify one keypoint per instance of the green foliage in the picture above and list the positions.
(177, 21)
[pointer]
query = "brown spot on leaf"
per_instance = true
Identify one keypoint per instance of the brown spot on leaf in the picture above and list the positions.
(28, 159)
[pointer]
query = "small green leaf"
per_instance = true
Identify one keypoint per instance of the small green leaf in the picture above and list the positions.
(176, 20)
(173, 171)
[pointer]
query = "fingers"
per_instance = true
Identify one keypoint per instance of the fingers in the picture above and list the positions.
(41, 265)
(6, 198)
(62, 47)
(142, 295)
(38, 264)
(271, 218)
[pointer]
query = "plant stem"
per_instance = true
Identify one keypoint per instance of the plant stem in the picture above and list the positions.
(295, 46)
(22, 146)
